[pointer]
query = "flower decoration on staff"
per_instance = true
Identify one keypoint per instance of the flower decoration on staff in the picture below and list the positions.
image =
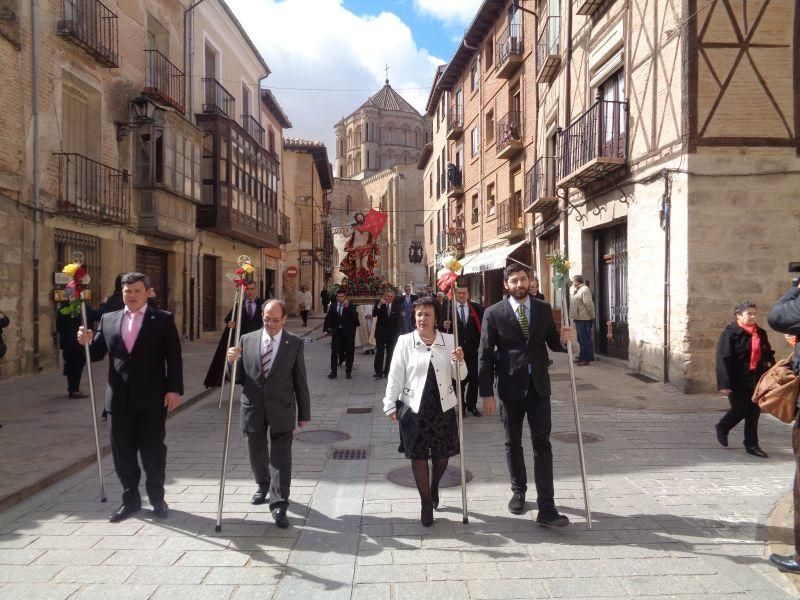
(242, 276)
(560, 266)
(79, 276)
(448, 274)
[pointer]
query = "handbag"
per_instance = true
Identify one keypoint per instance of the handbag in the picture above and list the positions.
(777, 390)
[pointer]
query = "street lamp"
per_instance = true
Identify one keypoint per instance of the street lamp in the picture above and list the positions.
(144, 112)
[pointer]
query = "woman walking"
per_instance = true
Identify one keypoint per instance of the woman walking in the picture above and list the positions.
(743, 356)
(420, 396)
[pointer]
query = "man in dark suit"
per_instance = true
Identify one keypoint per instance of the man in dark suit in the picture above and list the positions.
(387, 324)
(274, 397)
(407, 323)
(341, 323)
(251, 321)
(145, 382)
(514, 338)
(470, 315)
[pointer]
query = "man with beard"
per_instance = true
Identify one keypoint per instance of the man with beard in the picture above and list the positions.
(520, 328)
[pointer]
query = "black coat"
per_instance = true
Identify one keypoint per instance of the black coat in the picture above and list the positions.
(217, 366)
(387, 326)
(139, 380)
(784, 317)
(513, 355)
(343, 327)
(469, 337)
(733, 360)
(67, 329)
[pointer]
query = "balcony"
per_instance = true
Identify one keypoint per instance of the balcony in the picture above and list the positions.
(540, 188)
(217, 100)
(92, 191)
(455, 181)
(253, 128)
(165, 81)
(509, 51)
(548, 58)
(93, 27)
(509, 135)
(594, 145)
(455, 122)
(587, 7)
(285, 230)
(509, 217)
(166, 215)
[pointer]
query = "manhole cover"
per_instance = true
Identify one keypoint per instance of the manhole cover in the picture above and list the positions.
(570, 437)
(359, 410)
(451, 478)
(642, 377)
(321, 436)
(559, 376)
(349, 454)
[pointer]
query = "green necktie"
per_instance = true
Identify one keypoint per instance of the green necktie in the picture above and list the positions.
(523, 320)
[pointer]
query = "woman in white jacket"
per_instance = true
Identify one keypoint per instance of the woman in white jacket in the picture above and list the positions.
(420, 396)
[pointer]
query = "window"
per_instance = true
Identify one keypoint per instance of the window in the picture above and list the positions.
(474, 78)
(475, 210)
(341, 170)
(367, 163)
(438, 176)
(474, 141)
(245, 100)
(490, 126)
(271, 143)
(488, 53)
(348, 204)
(430, 231)
(490, 203)
(430, 185)
(164, 157)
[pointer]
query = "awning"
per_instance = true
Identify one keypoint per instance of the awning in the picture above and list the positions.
(488, 260)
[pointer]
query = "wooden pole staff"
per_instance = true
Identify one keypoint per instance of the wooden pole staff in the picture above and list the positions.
(230, 333)
(94, 409)
(459, 410)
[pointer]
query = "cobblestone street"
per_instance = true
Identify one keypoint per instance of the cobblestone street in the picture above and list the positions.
(675, 515)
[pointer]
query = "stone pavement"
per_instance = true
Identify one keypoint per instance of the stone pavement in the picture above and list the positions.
(674, 514)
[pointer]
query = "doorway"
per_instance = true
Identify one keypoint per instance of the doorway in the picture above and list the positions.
(611, 291)
(155, 265)
(209, 292)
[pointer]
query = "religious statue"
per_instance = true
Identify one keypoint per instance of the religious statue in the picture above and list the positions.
(360, 249)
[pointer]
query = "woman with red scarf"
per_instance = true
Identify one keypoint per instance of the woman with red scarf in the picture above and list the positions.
(743, 356)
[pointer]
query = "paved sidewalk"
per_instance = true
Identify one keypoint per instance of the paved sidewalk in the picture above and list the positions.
(675, 515)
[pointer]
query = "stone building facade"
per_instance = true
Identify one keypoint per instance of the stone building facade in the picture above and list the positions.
(659, 148)
(137, 168)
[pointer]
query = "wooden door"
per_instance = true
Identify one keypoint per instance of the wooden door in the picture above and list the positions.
(209, 293)
(611, 291)
(154, 264)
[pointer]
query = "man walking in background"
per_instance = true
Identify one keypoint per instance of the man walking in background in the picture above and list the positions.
(387, 324)
(581, 311)
(341, 323)
(469, 316)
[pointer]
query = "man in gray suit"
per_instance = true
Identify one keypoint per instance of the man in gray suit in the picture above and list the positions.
(274, 397)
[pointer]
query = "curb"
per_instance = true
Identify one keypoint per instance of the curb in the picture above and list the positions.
(780, 519)
(29, 490)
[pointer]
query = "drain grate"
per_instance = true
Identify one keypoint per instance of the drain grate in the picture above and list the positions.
(359, 410)
(570, 437)
(585, 387)
(349, 453)
(642, 377)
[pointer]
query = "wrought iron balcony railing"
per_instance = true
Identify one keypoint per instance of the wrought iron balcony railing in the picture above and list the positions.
(217, 100)
(285, 231)
(253, 129)
(509, 134)
(547, 52)
(92, 190)
(93, 27)
(509, 215)
(455, 181)
(455, 122)
(540, 187)
(165, 81)
(594, 144)
(509, 50)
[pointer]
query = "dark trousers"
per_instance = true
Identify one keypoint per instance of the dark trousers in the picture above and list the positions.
(584, 330)
(384, 347)
(345, 348)
(796, 490)
(74, 361)
(272, 463)
(141, 432)
(537, 408)
(469, 387)
(304, 314)
(742, 408)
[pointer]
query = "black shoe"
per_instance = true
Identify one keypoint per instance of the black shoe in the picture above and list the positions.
(123, 512)
(722, 437)
(475, 412)
(259, 497)
(516, 505)
(435, 499)
(331, 375)
(161, 509)
(426, 515)
(756, 451)
(281, 520)
(463, 412)
(349, 376)
(551, 518)
(785, 563)
(377, 375)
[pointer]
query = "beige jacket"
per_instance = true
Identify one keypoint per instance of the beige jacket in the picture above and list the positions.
(581, 307)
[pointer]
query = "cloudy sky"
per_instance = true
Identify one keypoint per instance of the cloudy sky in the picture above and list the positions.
(341, 48)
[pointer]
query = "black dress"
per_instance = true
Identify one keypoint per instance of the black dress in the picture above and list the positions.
(430, 433)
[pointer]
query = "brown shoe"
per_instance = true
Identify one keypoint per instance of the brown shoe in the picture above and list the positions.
(583, 363)
(78, 394)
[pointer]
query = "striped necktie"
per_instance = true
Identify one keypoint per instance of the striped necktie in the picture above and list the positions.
(266, 358)
(523, 320)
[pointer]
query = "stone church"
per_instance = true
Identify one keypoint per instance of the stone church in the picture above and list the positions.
(377, 147)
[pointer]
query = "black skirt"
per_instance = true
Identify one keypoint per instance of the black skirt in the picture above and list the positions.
(430, 433)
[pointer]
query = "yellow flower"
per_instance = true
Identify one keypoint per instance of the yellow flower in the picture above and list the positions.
(566, 264)
(70, 269)
(248, 268)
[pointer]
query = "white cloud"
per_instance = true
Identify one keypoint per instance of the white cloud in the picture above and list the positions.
(321, 44)
(452, 12)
